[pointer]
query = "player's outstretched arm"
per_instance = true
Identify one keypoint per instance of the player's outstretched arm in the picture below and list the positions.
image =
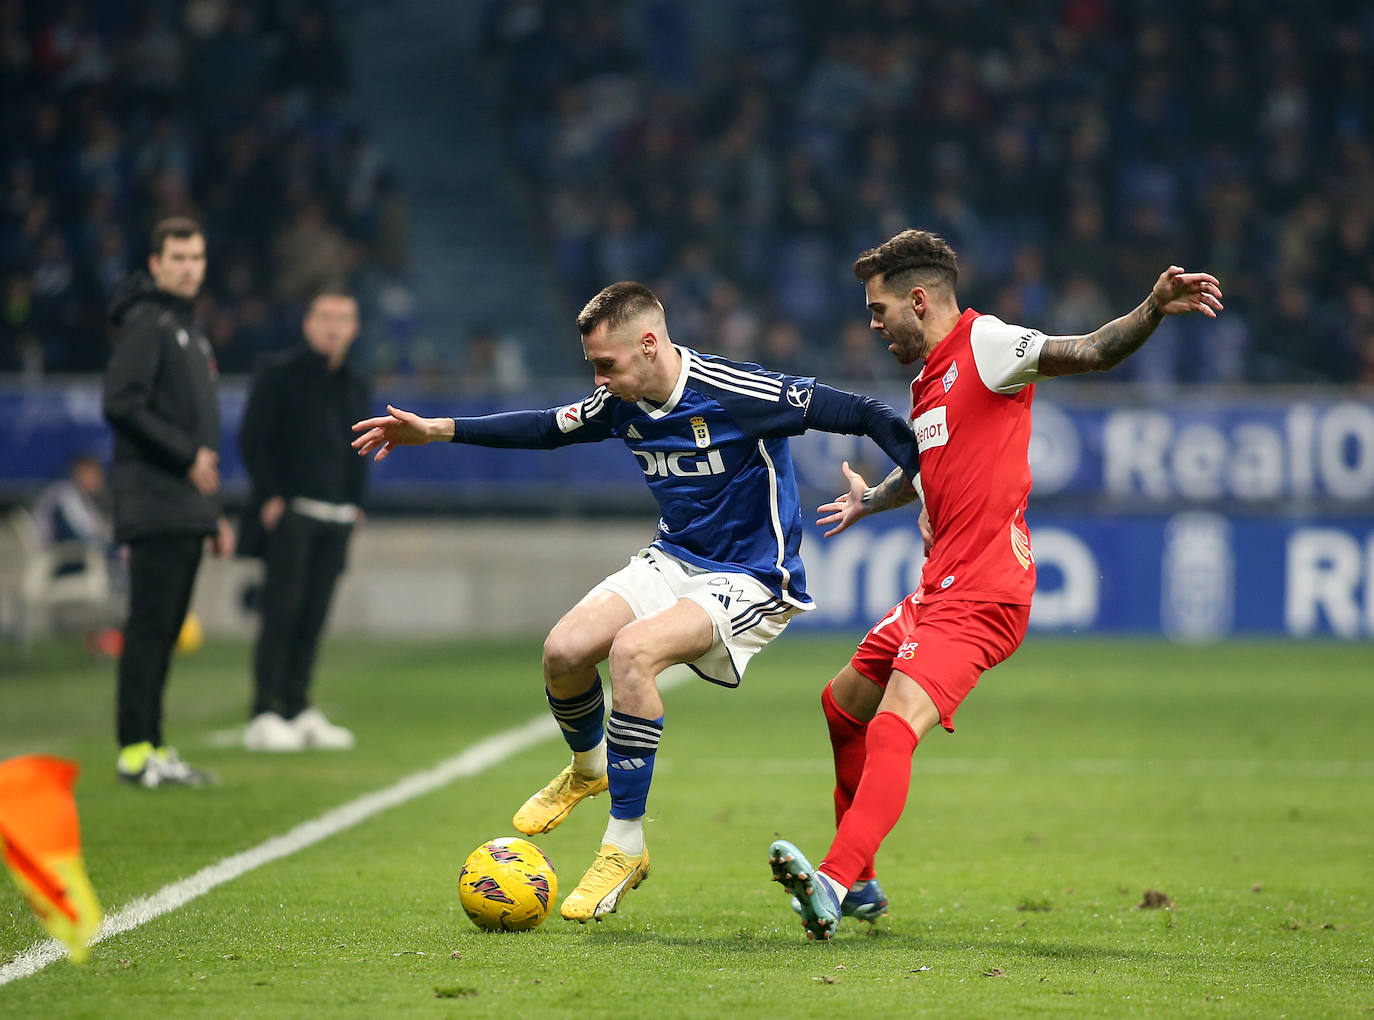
(1174, 293)
(399, 428)
(861, 500)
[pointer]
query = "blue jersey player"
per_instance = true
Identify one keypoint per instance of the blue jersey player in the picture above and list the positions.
(720, 580)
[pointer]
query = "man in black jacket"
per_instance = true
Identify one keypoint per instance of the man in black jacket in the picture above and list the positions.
(160, 400)
(307, 490)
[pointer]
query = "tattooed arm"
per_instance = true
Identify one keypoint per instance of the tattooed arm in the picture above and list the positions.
(897, 490)
(893, 491)
(1174, 293)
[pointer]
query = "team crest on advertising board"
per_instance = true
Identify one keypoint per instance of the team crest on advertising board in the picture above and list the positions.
(700, 433)
(951, 375)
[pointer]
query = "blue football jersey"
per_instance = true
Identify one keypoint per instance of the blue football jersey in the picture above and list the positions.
(715, 457)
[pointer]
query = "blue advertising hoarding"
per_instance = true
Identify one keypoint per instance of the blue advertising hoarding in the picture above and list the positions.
(1240, 449)
(1196, 516)
(1194, 575)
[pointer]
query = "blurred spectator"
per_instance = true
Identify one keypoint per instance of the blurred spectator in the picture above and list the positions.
(72, 520)
(493, 363)
(76, 509)
(862, 356)
(310, 252)
(119, 114)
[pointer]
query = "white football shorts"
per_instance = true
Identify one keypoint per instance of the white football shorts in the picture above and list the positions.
(745, 614)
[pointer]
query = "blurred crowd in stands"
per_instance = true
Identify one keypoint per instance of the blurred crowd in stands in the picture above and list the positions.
(1069, 151)
(116, 113)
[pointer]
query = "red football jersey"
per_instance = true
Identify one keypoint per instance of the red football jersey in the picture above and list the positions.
(971, 412)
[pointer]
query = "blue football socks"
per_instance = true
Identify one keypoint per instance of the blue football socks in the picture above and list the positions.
(631, 743)
(581, 719)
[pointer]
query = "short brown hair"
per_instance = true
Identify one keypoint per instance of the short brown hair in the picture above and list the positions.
(616, 305)
(327, 290)
(912, 257)
(173, 226)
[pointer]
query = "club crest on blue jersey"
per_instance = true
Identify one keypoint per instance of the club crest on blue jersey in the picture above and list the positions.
(716, 459)
(700, 433)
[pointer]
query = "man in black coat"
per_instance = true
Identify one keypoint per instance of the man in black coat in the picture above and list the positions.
(307, 490)
(160, 400)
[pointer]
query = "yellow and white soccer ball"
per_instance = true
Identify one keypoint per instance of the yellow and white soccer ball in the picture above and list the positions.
(507, 884)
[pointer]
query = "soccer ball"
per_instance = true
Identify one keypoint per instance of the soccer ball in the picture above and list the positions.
(507, 885)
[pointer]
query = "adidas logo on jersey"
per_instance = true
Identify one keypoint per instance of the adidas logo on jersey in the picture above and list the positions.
(633, 433)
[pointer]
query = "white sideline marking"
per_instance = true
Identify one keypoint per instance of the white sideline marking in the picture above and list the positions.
(477, 758)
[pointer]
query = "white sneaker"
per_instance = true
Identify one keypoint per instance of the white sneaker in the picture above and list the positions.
(318, 732)
(167, 767)
(270, 732)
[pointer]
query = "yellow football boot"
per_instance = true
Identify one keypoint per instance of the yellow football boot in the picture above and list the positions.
(546, 810)
(612, 874)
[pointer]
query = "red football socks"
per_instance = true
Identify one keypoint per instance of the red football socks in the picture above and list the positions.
(877, 801)
(847, 742)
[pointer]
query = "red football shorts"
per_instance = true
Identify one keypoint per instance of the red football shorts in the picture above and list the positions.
(944, 646)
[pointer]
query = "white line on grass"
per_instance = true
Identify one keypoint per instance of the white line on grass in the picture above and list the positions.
(477, 758)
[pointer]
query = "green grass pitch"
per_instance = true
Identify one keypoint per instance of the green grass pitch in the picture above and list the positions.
(1238, 780)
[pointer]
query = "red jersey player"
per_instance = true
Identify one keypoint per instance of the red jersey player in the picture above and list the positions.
(971, 411)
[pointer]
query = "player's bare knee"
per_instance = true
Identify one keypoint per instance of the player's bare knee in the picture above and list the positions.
(633, 660)
(908, 699)
(564, 654)
(627, 659)
(855, 694)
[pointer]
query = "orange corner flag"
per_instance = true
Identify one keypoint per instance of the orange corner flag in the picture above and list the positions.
(42, 847)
